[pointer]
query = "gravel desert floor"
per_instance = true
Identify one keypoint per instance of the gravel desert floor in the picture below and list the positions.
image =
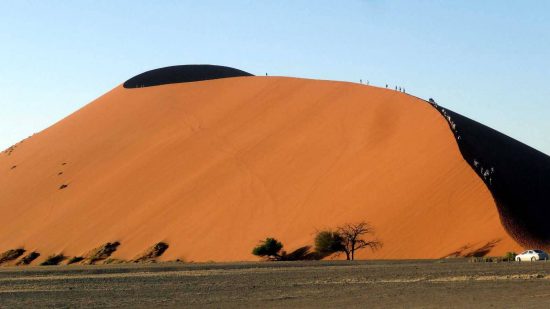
(389, 284)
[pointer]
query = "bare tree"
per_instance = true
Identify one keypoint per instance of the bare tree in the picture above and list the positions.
(353, 238)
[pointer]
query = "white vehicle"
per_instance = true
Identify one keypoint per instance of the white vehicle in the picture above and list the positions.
(532, 255)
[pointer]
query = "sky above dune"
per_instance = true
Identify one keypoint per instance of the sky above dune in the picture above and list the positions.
(487, 60)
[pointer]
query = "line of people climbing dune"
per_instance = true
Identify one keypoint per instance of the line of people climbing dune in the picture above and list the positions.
(397, 88)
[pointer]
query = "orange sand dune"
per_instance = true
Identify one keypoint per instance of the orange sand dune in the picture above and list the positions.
(213, 167)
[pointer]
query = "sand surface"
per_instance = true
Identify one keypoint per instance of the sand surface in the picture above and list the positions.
(213, 167)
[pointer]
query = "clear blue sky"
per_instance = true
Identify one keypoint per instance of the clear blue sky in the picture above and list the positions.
(489, 60)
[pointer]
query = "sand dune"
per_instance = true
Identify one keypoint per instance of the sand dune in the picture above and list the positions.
(212, 167)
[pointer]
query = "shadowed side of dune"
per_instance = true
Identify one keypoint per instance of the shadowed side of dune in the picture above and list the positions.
(182, 74)
(517, 175)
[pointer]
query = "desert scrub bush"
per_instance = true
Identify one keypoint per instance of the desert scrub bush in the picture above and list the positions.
(487, 259)
(152, 253)
(510, 256)
(27, 259)
(11, 255)
(54, 259)
(328, 242)
(269, 249)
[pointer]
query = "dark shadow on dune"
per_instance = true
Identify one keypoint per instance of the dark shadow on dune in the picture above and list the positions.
(517, 175)
(483, 250)
(100, 253)
(302, 254)
(470, 251)
(53, 260)
(11, 255)
(75, 259)
(457, 253)
(150, 255)
(182, 74)
(29, 258)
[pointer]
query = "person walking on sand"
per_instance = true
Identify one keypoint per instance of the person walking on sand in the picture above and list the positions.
(360, 81)
(386, 86)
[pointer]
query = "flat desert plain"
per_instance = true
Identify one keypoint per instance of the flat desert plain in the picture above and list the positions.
(384, 284)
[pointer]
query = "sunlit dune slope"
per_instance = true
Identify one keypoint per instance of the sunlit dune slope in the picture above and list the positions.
(212, 167)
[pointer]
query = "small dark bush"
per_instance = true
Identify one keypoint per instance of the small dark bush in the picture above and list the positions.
(328, 242)
(510, 256)
(269, 248)
(488, 259)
